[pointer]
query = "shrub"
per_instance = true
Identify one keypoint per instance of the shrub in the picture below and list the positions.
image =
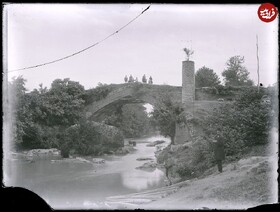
(90, 138)
(243, 123)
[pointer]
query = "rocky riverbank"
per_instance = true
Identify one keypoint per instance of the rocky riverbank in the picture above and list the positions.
(247, 183)
(54, 155)
(152, 163)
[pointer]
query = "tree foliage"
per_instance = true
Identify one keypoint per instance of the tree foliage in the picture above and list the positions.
(206, 77)
(88, 138)
(131, 119)
(243, 123)
(166, 114)
(236, 73)
(65, 102)
(48, 118)
(16, 98)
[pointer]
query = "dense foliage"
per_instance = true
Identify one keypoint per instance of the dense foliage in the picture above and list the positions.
(89, 138)
(243, 124)
(206, 77)
(165, 115)
(236, 73)
(45, 118)
(131, 119)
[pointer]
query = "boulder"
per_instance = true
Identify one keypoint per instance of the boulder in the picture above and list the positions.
(77, 160)
(98, 160)
(43, 153)
(124, 150)
(154, 143)
(144, 158)
(149, 166)
(82, 160)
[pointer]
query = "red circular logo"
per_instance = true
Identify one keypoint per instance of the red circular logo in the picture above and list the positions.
(267, 12)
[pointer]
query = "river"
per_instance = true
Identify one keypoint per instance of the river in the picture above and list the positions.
(83, 185)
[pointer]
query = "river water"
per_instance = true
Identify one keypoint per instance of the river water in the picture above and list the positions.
(84, 185)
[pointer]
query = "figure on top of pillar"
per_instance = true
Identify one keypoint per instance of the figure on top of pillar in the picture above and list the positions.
(188, 52)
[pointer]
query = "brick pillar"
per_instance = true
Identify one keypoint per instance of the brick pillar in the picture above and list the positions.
(188, 82)
(184, 133)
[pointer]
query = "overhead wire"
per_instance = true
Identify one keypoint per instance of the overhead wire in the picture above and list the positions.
(85, 49)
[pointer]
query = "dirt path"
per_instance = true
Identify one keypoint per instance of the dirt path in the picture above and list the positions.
(246, 183)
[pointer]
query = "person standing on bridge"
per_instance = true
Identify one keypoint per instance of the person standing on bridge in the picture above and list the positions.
(125, 79)
(219, 152)
(144, 79)
(130, 78)
(150, 80)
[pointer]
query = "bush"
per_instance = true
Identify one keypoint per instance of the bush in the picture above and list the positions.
(190, 160)
(184, 171)
(89, 138)
(243, 123)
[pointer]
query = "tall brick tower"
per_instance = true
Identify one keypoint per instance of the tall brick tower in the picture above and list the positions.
(188, 83)
(185, 132)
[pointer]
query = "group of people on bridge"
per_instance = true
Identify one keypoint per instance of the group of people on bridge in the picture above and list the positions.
(130, 79)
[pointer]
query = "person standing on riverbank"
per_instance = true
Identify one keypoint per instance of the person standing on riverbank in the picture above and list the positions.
(168, 165)
(219, 152)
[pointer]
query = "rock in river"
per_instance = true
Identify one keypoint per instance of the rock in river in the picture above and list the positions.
(43, 153)
(98, 160)
(149, 166)
(154, 143)
(144, 158)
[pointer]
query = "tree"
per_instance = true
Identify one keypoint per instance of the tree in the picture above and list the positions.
(206, 77)
(20, 117)
(243, 123)
(135, 121)
(65, 102)
(188, 53)
(235, 73)
(125, 79)
(166, 115)
(144, 79)
(131, 119)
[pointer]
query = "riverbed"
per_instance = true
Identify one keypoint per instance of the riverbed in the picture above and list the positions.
(86, 185)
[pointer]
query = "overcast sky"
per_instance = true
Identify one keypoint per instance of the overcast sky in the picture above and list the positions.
(151, 45)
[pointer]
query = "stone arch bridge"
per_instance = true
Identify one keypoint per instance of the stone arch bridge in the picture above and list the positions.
(146, 93)
(131, 93)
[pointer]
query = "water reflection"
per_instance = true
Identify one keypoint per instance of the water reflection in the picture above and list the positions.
(81, 185)
(141, 180)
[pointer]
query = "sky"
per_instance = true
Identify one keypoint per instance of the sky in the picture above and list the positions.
(151, 45)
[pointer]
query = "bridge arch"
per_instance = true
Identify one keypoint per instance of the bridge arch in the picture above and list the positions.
(131, 93)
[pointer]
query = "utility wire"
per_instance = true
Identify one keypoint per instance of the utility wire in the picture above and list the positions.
(85, 49)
